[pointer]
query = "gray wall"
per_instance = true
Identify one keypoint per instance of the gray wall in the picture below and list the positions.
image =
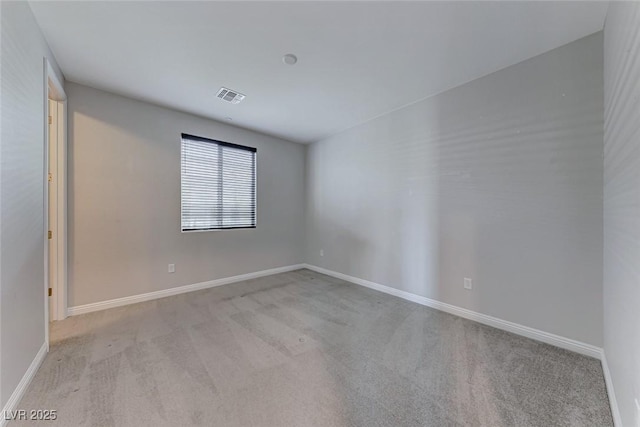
(124, 201)
(622, 205)
(22, 323)
(499, 180)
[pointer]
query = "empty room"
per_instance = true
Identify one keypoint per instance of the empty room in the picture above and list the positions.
(320, 213)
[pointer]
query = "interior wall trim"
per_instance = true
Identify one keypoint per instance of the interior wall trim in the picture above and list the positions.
(133, 299)
(546, 337)
(12, 403)
(613, 402)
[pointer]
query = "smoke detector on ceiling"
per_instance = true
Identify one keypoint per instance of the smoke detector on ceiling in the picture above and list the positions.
(229, 95)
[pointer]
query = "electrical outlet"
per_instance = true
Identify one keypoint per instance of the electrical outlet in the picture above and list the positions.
(321, 252)
(468, 284)
(172, 268)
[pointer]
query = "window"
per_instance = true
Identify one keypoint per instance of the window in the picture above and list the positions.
(218, 184)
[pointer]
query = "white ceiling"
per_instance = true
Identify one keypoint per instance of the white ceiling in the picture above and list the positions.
(357, 60)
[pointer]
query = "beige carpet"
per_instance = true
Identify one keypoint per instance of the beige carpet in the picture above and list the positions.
(304, 349)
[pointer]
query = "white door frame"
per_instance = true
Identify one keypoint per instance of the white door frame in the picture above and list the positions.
(53, 89)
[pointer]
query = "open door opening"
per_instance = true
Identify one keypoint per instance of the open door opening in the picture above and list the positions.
(55, 200)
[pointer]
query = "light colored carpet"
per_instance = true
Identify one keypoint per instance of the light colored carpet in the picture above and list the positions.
(304, 349)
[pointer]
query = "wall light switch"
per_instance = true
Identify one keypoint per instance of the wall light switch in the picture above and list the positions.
(467, 283)
(172, 268)
(321, 252)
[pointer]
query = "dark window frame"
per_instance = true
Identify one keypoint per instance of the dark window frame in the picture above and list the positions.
(253, 190)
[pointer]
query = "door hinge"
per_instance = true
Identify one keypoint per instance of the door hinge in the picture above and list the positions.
(50, 178)
(50, 120)
(49, 235)
(50, 291)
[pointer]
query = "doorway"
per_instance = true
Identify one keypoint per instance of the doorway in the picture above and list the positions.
(55, 199)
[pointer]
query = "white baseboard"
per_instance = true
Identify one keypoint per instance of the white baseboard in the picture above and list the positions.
(118, 302)
(615, 411)
(17, 394)
(556, 340)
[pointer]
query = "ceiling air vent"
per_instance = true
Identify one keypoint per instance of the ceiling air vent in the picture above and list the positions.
(230, 95)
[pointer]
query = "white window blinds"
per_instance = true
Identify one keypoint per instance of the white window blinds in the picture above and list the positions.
(218, 184)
